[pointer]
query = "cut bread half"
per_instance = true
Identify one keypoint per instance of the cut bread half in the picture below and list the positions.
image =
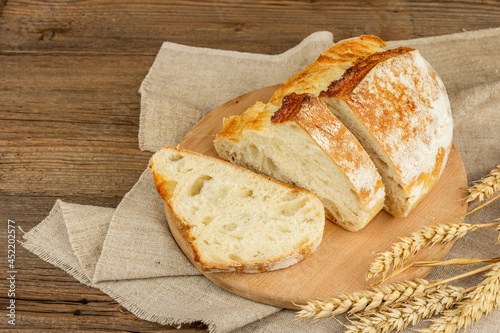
(398, 108)
(236, 220)
(303, 144)
(394, 103)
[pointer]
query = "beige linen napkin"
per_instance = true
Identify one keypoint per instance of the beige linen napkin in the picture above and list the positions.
(190, 81)
(128, 252)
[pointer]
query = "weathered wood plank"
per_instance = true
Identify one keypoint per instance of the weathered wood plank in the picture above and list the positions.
(75, 132)
(68, 129)
(135, 27)
(72, 101)
(74, 171)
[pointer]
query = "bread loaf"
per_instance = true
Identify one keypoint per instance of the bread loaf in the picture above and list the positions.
(394, 103)
(302, 143)
(236, 220)
(398, 108)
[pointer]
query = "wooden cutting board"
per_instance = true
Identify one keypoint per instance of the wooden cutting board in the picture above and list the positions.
(342, 259)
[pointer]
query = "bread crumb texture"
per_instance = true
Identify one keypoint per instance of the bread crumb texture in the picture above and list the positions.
(236, 220)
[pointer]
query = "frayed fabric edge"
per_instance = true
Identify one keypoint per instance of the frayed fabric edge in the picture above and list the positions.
(47, 257)
(81, 277)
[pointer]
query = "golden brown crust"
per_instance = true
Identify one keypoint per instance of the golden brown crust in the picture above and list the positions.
(255, 117)
(183, 227)
(292, 104)
(329, 67)
(353, 76)
(428, 180)
(161, 185)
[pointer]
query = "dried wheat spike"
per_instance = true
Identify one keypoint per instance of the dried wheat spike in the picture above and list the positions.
(484, 298)
(409, 246)
(486, 187)
(411, 312)
(380, 298)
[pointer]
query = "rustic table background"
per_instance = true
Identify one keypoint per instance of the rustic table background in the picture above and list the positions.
(69, 109)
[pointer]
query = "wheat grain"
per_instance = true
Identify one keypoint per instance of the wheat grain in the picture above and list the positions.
(409, 246)
(409, 312)
(485, 187)
(481, 300)
(366, 300)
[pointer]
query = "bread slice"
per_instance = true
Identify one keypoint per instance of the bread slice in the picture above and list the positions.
(398, 108)
(234, 219)
(303, 144)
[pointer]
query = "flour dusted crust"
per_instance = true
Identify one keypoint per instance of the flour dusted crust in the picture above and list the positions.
(266, 139)
(310, 113)
(329, 66)
(399, 109)
(176, 172)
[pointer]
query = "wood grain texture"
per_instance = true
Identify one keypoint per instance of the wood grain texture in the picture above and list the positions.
(69, 107)
(136, 27)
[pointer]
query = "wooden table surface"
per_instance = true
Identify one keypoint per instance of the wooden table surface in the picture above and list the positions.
(69, 109)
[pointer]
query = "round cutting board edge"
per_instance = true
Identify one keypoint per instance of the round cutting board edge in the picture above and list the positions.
(331, 270)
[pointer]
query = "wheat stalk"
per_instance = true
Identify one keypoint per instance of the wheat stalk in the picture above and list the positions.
(480, 206)
(409, 246)
(366, 300)
(455, 261)
(481, 300)
(411, 312)
(433, 263)
(498, 229)
(486, 187)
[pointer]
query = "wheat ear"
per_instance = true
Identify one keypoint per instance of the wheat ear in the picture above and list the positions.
(485, 187)
(409, 246)
(410, 312)
(481, 300)
(366, 300)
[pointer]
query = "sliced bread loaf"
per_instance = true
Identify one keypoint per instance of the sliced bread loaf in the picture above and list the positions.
(394, 103)
(398, 108)
(302, 143)
(234, 219)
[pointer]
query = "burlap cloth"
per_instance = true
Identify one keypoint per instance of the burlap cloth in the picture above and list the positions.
(128, 252)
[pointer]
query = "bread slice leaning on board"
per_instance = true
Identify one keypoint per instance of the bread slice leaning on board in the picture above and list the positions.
(393, 102)
(236, 220)
(302, 143)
